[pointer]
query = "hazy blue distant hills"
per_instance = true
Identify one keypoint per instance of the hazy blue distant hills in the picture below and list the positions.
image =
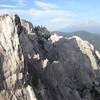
(93, 28)
(91, 37)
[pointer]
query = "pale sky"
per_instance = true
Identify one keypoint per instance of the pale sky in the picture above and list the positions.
(57, 14)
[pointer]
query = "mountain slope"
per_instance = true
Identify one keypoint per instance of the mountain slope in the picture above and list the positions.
(91, 37)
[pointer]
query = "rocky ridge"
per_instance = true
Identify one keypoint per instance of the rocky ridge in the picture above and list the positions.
(38, 66)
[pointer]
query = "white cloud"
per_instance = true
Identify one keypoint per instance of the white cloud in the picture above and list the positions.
(21, 2)
(12, 11)
(58, 20)
(49, 15)
(8, 6)
(44, 5)
(60, 23)
(85, 23)
(55, 13)
(54, 18)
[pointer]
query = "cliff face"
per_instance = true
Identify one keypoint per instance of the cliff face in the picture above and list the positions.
(38, 66)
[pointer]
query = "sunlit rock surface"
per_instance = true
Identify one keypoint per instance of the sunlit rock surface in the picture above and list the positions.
(36, 65)
(11, 56)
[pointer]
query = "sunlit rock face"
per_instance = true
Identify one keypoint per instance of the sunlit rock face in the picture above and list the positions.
(11, 56)
(12, 69)
(27, 26)
(35, 65)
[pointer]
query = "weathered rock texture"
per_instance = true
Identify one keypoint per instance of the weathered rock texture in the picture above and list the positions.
(12, 69)
(35, 65)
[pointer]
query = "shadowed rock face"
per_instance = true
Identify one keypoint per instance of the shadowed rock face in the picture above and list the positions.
(35, 65)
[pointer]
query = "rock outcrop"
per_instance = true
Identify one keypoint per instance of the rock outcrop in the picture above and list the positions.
(38, 66)
(12, 68)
